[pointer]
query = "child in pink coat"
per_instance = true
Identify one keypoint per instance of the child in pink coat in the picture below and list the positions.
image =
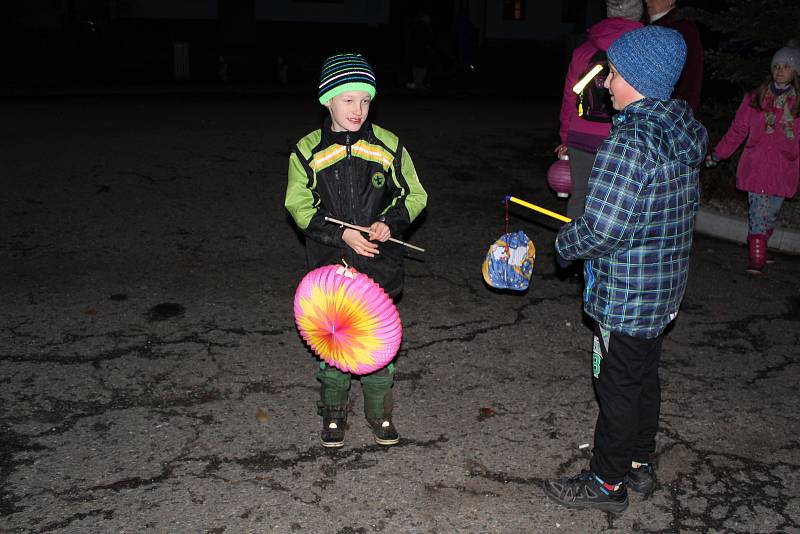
(767, 121)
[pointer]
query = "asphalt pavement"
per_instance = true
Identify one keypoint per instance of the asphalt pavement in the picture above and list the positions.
(152, 378)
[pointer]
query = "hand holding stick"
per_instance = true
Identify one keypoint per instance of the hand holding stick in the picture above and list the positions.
(367, 230)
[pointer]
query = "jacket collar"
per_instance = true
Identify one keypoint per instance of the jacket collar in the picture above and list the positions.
(667, 17)
(643, 105)
(341, 138)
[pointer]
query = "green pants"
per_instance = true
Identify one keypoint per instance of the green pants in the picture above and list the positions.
(376, 387)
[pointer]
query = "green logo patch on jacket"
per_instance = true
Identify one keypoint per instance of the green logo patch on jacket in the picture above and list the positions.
(378, 180)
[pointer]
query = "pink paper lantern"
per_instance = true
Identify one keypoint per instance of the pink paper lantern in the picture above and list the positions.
(347, 319)
(559, 178)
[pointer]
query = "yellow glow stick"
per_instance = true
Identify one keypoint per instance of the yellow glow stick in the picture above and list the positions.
(578, 87)
(540, 209)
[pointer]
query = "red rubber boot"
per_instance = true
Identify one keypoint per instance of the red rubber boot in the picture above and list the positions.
(757, 244)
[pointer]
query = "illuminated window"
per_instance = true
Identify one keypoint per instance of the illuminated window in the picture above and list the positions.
(514, 9)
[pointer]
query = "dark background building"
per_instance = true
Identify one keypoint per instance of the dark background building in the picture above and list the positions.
(510, 44)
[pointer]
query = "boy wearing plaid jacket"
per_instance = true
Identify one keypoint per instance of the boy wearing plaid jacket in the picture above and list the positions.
(636, 237)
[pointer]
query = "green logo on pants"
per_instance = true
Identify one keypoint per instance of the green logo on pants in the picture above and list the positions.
(597, 357)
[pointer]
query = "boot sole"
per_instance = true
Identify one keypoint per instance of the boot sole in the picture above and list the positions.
(332, 444)
(381, 441)
(613, 507)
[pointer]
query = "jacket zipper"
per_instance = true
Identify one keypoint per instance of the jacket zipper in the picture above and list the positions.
(350, 179)
(353, 256)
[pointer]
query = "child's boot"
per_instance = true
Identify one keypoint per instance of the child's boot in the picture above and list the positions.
(641, 479)
(382, 426)
(377, 388)
(332, 405)
(757, 244)
(334, 423)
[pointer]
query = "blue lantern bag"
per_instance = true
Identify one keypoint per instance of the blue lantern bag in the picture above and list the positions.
(509, 262)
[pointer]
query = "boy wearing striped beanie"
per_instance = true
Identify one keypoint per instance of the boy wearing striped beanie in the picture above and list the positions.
(635, 236)
(357, 172)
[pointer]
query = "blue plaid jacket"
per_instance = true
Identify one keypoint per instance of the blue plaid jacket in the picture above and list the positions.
(636, 231)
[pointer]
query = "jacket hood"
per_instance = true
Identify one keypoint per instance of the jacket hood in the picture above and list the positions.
(605, 32)
(686, 139)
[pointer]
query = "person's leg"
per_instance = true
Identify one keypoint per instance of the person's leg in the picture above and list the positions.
(580, 167)
(617, 367)
(644, 442)
(641, 478)
(625, 370)
(760, 216)
(773, 210)
(377, 389)
(333, 404)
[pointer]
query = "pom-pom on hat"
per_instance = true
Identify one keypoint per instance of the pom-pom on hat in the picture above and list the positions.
(650, 59)
(630, 9)
(345, 72)
(788, 55)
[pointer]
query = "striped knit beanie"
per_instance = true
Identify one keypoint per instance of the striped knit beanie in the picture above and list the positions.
(650, 59)
(345, 72)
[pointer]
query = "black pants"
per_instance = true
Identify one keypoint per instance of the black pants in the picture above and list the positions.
(628, 391)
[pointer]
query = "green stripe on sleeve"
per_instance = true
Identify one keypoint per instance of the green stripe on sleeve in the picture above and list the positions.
(417, 198)
(300, 201)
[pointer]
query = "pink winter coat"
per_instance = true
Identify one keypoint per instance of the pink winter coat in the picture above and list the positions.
(574, 131)
(769, 162)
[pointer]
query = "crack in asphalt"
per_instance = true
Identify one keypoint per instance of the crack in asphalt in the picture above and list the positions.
(67, 521)
(143, 350)
(740, 482)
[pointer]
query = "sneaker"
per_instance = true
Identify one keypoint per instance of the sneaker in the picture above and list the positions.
(385, 432)
(586, 491)
(641, 479)
(332, 434)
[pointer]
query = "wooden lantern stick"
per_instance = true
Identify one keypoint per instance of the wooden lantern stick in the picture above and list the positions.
(367, 230)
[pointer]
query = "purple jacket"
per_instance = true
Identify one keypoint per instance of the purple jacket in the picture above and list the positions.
(769, 162)
(574, 131)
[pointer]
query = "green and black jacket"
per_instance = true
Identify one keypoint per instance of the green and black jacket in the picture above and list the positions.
(357, 177)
